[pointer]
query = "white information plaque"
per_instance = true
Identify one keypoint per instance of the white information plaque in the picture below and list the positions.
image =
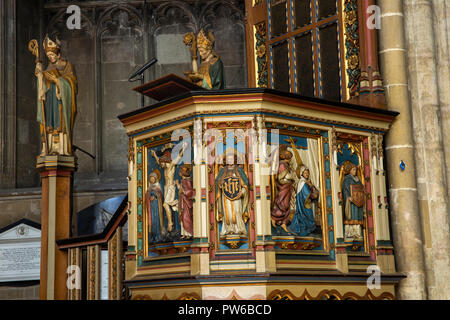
(20, 253)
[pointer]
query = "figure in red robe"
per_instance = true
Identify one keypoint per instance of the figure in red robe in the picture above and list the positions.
(281, 209)
(186, 205)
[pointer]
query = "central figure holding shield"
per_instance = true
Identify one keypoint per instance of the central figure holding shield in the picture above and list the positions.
(232, 196)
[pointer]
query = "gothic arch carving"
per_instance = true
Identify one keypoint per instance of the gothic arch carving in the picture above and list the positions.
(59, 20)
(172, 12)
(220, 8)
(114, 18)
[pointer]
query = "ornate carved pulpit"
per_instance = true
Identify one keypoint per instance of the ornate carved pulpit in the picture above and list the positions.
(238, 194)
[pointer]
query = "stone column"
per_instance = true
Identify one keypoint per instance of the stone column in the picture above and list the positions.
(57, 175)
(8, 94)
(407, 235)
(441, 16)
(425, 92)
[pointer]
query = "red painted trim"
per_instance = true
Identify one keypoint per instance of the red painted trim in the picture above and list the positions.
(369, 207)
(56, 173)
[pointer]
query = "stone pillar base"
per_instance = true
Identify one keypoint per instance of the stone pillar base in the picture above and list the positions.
(56, 172)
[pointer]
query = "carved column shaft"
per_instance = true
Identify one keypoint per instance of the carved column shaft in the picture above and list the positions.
(200, 256)
(74, 259)
(93, 272)
(8, 94)
(428, 137)
(115, 265)
(399, 146)
(57, 174)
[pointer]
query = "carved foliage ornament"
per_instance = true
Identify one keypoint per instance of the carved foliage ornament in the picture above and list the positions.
(261, 54)
(352, 45)
(328, 295)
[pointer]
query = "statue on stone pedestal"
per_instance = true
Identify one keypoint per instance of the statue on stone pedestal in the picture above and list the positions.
(57, 106)
(210, 74)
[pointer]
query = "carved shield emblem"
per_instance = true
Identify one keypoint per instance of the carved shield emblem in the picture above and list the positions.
(357, 194)
(232, 188)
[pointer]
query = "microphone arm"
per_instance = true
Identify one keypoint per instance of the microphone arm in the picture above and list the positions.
(142, 69)
(140, 73)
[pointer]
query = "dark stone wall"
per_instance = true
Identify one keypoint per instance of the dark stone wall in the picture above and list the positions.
(27, 128)
(115, 39)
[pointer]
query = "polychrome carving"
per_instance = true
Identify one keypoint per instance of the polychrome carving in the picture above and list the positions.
(352, 193)
(57, 91)
(210, 74)
(167, 202)
(296, 209)
(232, 195)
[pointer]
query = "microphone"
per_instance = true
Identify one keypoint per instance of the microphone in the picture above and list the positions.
(143, 68)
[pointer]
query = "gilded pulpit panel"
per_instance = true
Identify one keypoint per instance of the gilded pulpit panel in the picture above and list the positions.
(232, 195)
(254, 183)
(300, 186)
(353, 168)
(165, 195)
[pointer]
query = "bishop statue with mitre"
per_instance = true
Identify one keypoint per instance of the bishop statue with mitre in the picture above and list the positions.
(57, 91)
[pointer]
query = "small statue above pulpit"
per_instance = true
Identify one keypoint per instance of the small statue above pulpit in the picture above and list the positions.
(57, 106)
(210, 74)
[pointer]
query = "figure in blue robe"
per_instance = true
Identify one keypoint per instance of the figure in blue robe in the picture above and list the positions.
(304, 221)
(154, 201)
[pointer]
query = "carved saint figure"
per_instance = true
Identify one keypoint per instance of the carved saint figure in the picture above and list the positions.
(304, 222)
(186, 193)
(281, 209)
(353, 202)
(165, 162)
(210, 74)
(154, 207)
(232, 197)
(57, 91)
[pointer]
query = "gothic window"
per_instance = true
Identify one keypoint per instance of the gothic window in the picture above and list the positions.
(304, 42)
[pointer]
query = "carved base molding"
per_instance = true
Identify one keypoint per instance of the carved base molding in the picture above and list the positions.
(297, 243)
(272, 291)
(170, 248)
